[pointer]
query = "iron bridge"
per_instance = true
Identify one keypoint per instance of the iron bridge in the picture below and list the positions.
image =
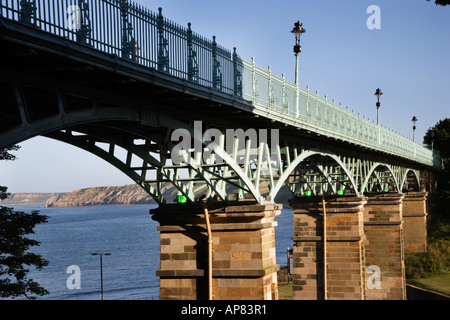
(120, 81)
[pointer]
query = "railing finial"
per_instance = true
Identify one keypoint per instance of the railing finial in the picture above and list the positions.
(217, 73)
(27, 11)
(163, 44)
(192, 57)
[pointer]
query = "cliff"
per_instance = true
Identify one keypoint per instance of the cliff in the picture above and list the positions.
(102, 196)
(29, 198)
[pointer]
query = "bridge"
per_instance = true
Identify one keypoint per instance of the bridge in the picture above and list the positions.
(167, 106)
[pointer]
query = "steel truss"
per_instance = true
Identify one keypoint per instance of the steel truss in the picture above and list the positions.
(259, 173)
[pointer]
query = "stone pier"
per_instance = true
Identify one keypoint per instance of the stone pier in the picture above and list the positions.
(244, 258)
(383, 227)
(415, 221)
(365, 242)
(345, 258)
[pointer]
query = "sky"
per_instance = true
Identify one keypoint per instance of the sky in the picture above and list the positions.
(408, 57)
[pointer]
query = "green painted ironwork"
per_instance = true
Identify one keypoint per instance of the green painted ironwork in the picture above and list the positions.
(249, 167)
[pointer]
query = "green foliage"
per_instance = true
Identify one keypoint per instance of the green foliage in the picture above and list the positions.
(283, 275)
(436, 260)
(3, 194)
(438, 139)
(415, 265)
(5, 155)
(15, 258)
(14, 255)
(439, 136)
(440, 229)
(441, 2)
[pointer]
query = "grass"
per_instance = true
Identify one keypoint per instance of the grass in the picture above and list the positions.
(440, 283)
(431, 270)
(285, 291)
(284, 288)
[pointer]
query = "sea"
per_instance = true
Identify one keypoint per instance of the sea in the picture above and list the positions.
(127, 233)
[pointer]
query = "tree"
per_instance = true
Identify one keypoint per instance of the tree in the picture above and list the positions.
(14, 246)
(442, 2)
(5, 155)
(438, 139)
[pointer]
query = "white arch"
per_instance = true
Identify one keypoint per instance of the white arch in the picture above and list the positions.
(405, 176)
(304, 155)
(371, 170)
(220, 152)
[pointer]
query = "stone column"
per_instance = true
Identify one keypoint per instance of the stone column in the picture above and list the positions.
(415, 221)
(244, 256)
(383, 227)
(345, 249)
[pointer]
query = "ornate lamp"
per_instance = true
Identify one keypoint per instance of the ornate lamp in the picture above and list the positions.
(378, 93)
(297, 31)
(414, 120)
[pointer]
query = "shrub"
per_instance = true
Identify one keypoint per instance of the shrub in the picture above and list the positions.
(437, 258)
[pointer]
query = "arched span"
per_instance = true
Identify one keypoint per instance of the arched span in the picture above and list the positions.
(228, 161)
(415, 174)
(197, 174)
(303, 156)
(320, 169)
(90, 138)
(89, 146)
(82, 109)
(372, 171)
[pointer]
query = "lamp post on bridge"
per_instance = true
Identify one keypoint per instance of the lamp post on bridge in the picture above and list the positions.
(378, 93)
(414, 120)
(101, 270)
(297, 31)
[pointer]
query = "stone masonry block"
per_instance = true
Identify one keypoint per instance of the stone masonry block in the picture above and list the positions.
(244, 257)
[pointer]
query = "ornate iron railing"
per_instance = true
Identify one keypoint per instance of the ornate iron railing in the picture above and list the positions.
(132, 32)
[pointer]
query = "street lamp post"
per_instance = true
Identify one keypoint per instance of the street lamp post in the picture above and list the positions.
(101, 270)
(297, 31)
(414, 120)
(378, 93)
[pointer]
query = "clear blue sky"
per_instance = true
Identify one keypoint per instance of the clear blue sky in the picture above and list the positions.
(408, 58)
